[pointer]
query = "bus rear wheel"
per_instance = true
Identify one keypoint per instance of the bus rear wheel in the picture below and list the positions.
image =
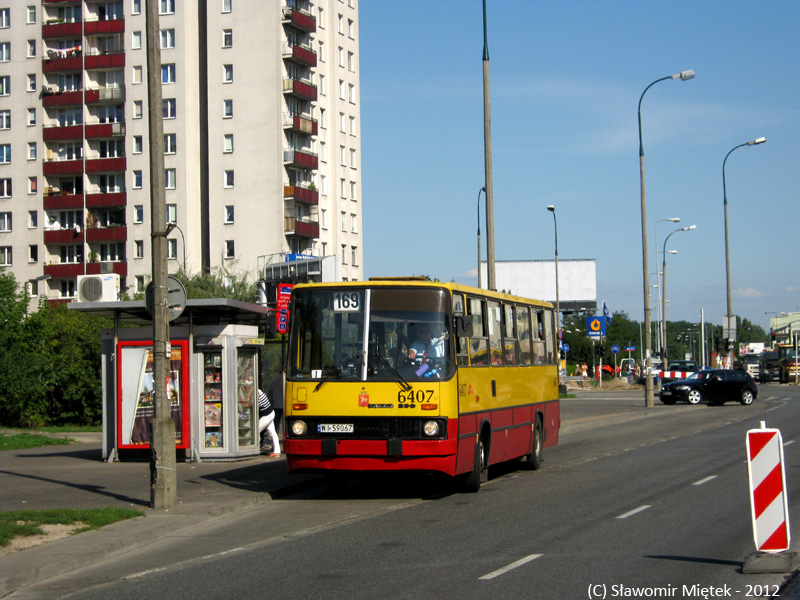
(534, 459)
(479, 473)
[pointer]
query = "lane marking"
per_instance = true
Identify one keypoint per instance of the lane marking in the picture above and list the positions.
(630, 513)
(787, 443)
(706, 480)
(513, 565)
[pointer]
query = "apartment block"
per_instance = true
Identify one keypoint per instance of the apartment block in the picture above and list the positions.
(261, 119)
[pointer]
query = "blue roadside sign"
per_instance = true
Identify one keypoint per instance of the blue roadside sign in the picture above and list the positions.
(565, 347)
(595, 327)
(615, 348)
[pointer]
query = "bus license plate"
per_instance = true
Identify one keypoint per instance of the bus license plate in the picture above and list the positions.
(335, 428)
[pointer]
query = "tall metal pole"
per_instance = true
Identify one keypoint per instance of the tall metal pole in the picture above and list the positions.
(648, 381)
(664, 286)
(552, 209)
(729, 314)
(483, 189)
(163, 477)
(487, 144)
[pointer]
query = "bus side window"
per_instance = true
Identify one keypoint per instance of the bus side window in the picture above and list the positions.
(462, 343)
(509, 334)
(524, 335)
(478, 347)
(549, 338)
(539, 356)
(495, 323)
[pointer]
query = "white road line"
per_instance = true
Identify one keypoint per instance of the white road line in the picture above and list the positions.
(706, 480)
(633, 512)
(513, 565)
(787, 443)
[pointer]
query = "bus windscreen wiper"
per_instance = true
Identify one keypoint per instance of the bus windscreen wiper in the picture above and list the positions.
(403, 383)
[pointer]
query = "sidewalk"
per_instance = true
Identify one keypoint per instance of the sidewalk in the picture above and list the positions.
(74, 476)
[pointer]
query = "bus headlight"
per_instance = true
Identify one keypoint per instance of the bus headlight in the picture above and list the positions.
(299, 428)
(431, 428)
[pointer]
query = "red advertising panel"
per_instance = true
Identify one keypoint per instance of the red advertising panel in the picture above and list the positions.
(136, 394)
(282, 309)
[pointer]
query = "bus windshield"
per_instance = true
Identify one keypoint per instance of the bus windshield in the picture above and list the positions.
(408, 335)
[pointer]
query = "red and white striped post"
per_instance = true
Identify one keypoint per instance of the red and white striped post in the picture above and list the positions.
(768, 500)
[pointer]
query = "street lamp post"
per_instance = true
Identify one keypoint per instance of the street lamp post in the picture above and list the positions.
(648, 382)
(729, 315)
(483, 189)
(552, 209)
(660, 341)
(664, 284)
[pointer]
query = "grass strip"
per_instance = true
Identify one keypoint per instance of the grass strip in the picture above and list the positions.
(15, 523)
(21, 441)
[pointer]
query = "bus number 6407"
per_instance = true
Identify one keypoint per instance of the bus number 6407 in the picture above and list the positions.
(414, 396)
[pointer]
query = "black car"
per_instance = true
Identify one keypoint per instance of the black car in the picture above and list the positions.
(716, 386)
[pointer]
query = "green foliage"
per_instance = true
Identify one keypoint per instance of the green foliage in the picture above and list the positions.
(15, 523)
(22, 441)
(218, 284)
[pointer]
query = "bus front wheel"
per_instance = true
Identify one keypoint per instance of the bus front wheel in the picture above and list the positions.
(534, 459)
(479, 473)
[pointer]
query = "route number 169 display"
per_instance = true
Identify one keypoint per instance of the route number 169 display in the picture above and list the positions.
(346, 302)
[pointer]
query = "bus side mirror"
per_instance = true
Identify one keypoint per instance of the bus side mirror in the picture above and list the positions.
(464, 325)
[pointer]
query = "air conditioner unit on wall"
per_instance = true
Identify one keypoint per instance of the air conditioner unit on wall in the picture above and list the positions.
(98, 288)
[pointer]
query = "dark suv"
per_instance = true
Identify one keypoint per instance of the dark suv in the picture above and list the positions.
(716, 386)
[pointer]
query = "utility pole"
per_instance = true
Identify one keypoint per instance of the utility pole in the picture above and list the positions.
(163, 477)
(487, 144)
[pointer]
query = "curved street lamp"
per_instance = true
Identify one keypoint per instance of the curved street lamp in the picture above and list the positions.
(728, 315)
(664, 285)
(660, 341)
(552, 209)
(648, 382)
(483, 189)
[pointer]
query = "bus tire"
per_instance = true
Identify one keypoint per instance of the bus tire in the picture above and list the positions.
(479, 473)
(534, 459)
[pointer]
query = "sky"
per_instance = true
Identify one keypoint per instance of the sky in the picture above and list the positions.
(565, 79)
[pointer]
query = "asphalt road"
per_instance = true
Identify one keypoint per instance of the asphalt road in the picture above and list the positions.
(655, 506)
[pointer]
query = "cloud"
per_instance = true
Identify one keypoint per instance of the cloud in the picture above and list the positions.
(749, 293)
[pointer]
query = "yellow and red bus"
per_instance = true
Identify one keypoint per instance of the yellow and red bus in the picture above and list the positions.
(363, 395)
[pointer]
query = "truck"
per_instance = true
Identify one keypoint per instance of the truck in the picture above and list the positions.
(769, 368)
(787, 362)
(750, 363)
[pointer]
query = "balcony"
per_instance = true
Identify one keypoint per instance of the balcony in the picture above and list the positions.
(59, 61)
(301, 227)
(104, 130)
(56, 29)
(301, 159)
(103, 95)
(65, 270)
(52, 97)
(301, 54)
(299, 19)
(105, 165)
(98, 268)
(302, 89)
(103, 200)
(64, 236)
(57, 200)
(59, 133)
(102, 27)
(105, 60)
(300, 123)
(106, 234)
(301, 194)
(63, 167)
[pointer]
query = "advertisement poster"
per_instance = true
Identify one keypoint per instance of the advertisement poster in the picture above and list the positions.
(137, 394)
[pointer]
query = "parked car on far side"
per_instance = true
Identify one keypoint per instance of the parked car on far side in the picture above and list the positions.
(716, 386)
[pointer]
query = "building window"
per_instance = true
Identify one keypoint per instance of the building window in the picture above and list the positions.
(5, 221)
(136, 7)
(321, 51)
(31, 15)
(343, 188)
(227, 73)
(350, 28)
(227, 143)
(323, 121)
(351, 93)
(353, 223)
(352, 129)
(33, 256)
(320, 18)
(340, 23)
(168, 73)
(140, 283)
(167, 7)
(5, 18)
(352, 190)
(342, 90)
(137, 144)
(352, 158)
(343, 221)
(227, 38)
(31, 48)
(32, 82)
(32, 151)
(323, 152)
(5, 85)
(341, 56)
(172, 249)
(138, 213)
(137, 109)
(137, 180)
(172, 213)
(136, 40)
(322, 88)
(227, 6)
(342, 122)
(137, 74)
(33, 219)
(344, 254)
(5, 153)
(350, 61)
(229, 214)
(138, 249)
(5, 254)
(353, 255)
(228, 179)
(5, 188)
(169, 108)
(323, 185)
(227, 109)
(229, 249)
(170, 143)
(323, 218)
(167, 39)
(31, 117)
(5, 119)
(169, 179)
(5, 51)
(342, 156)
(33, 185)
